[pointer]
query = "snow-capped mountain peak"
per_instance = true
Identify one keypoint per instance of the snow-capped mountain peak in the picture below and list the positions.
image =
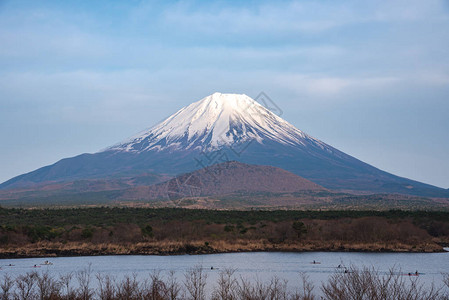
(242, 130)
(213, 122)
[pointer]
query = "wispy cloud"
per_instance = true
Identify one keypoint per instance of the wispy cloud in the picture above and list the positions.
(332, 88)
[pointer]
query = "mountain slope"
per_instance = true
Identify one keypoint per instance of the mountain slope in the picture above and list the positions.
(223, 127)
(223, 179)
(214, 122)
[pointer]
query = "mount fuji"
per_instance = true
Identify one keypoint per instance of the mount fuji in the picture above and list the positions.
(215, 122)
(219, 128)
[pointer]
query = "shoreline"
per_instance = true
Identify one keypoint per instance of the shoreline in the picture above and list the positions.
(195, 248)
(127, 231)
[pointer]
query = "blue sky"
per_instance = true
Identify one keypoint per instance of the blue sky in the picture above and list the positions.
(370, 78)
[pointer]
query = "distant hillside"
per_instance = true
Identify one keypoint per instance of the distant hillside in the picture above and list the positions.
(228, 185)
(79, 188)
(224, 179)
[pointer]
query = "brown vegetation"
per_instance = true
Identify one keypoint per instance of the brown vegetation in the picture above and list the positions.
(224, 179)
(199, 236)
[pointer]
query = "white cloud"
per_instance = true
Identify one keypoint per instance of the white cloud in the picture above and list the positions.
(432, 78)
(331, 88)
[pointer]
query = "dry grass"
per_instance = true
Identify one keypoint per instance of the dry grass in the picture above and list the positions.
(167, 247)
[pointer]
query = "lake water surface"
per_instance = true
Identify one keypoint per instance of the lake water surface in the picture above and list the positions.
(260, 265)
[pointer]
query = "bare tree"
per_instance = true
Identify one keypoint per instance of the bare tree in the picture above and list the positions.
(244, 289)
(277, 289)
(84, 278)
(158, 288)
(25, 286)
(106, 287)
(446, 279)
(305, 289)
(260, 290)
(47, 286)
(128, 288)
(227, 286)
(6, 285)
(66, 281)
(368, 283)
(353, 284)
(195, 283)
(253, 291)
(173, 287)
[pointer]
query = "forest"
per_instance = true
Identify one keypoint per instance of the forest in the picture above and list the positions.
(113, 230)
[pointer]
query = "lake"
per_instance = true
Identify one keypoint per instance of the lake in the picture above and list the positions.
(260, 265)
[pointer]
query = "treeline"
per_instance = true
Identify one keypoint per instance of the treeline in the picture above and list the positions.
(105, 216)
(360, 284)
(168, 231)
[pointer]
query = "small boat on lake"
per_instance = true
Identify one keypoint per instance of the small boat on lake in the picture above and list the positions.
(413, 274)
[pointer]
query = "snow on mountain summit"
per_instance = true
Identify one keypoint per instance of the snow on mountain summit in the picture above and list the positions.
(220, 128)
(213, 122)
